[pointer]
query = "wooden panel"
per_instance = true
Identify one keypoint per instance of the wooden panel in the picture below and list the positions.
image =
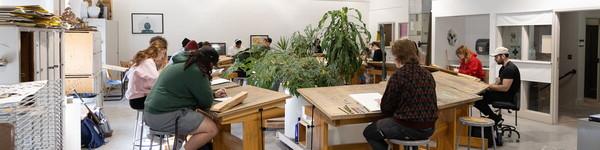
(357, 146)
(257, 98)
(83, 85)
(224, 61)
(78, 53)
(225, 105)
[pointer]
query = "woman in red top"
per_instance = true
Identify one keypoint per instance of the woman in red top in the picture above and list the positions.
(469, 64)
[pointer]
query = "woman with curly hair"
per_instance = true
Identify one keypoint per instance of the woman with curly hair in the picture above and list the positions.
(144, 72)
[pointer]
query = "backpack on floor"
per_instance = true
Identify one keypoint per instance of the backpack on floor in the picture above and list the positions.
(91, 137)
(103, 124)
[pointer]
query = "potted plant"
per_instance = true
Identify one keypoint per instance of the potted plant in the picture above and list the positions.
(344, 36)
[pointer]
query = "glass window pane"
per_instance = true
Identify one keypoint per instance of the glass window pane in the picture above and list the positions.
(403, 30)
(511, 39)
(540, 48)
(539, 97)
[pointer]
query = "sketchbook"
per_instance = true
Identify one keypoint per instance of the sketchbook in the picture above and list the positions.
(369, 100)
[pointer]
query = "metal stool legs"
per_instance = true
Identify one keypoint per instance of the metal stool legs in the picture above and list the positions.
(139, 123)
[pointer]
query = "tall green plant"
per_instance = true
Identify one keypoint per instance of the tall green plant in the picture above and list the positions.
(344, 36)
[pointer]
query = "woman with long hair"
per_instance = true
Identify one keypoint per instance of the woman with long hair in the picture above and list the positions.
(469, 64)
(144, 72)
(181, 93)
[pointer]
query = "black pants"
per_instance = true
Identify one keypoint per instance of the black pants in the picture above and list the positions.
(387, 128)
(488, 98)
(137, 103)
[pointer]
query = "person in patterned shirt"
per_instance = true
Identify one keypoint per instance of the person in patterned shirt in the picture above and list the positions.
(409, 104)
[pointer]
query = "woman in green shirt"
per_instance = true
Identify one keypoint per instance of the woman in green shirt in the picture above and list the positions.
(180, 89)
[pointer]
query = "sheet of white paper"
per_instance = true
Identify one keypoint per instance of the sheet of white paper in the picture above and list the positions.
(369, 100)
(218, 70)
(219, 81)
(223, 99)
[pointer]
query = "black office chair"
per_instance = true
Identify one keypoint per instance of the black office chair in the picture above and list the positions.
(514, 105)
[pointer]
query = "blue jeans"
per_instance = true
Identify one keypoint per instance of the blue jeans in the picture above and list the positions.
(388, 128)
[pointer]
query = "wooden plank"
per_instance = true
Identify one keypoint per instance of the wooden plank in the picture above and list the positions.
(321, 130)
(233, 101)
(257, 98)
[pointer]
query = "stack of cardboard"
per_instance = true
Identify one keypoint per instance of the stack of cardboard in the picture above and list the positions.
(29, 16)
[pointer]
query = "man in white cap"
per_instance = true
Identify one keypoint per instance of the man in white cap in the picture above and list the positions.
(508, 83)
(235, 48)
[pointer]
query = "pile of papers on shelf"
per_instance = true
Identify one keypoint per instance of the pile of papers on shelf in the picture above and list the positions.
(28, 16)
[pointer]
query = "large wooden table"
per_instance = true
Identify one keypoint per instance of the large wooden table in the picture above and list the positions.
(260, 105)
(453, 102)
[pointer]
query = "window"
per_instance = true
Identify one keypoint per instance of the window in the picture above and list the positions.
(510, 37)
(539, 96)
(540, 43)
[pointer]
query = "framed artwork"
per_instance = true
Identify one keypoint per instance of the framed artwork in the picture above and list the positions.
(219, 47)
(147, 23)
(257, 39)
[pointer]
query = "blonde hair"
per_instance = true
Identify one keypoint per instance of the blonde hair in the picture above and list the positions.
(405, 51)
(157, 51)
(464, 51)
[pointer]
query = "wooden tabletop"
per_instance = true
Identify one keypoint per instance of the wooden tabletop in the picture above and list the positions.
(328, 99)
(227, 85)
(467, 85)
(257, 98)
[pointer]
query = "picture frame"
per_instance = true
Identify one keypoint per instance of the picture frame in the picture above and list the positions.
(257, 39)
(147, 23)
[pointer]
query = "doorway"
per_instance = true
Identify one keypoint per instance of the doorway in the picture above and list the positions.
(26, 58)
(591, 59)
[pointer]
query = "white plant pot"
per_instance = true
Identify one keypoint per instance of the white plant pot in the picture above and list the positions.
(93, 11)
(293, 111)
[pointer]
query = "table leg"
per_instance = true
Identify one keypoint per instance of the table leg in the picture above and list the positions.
(253, 134)
(219, 142)
(320, 131)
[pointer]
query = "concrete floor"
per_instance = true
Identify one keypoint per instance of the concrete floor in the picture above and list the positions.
(534, 135)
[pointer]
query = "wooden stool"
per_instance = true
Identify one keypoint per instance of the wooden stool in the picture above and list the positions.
(409, 144)
(476, 122)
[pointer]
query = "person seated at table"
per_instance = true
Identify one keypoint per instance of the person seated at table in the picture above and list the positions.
(506, 87)
(376, 51)
(469, 64)
(144, 72)
(409, 103)
(184, 43)
(182, 88)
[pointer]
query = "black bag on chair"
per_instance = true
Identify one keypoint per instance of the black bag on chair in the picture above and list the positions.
(476, 132)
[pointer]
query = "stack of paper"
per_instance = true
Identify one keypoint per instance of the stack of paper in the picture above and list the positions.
(369, 100)
(219, 81)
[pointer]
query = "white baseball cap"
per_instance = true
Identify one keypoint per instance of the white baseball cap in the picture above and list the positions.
(500, 50)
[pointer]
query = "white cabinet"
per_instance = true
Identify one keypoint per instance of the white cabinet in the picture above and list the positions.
(109, 31)
(32, 54)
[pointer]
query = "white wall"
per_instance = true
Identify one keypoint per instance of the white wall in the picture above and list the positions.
(9, 49)
(387, 11)
(222, 20)
(468, 30)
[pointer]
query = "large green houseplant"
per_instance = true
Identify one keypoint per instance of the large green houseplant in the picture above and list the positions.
(344, 35)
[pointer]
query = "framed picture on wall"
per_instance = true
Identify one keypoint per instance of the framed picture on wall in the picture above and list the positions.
(257, 39)
(147, 23)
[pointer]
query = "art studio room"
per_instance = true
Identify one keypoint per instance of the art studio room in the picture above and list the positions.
(299, 75)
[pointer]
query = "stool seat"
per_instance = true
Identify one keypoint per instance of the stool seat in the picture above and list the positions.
(409, 142)
(477, 121)
(154, 132)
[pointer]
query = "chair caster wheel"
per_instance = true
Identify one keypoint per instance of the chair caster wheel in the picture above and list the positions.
(518, 141)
